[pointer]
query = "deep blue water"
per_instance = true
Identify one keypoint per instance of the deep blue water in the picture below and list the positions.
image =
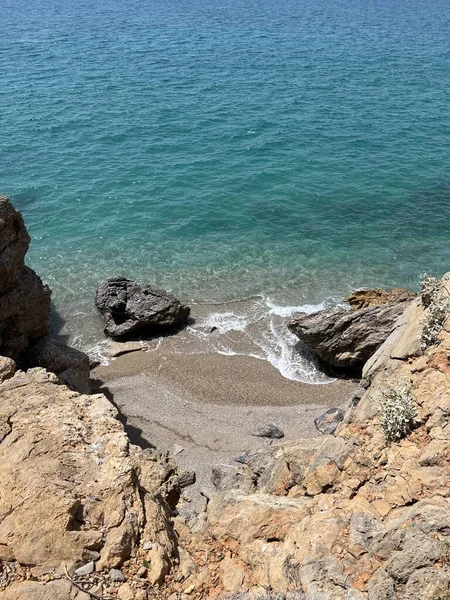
(225, 148)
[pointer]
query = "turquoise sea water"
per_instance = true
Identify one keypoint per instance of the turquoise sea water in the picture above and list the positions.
(223, 149)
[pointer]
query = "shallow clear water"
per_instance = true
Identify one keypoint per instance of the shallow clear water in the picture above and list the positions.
(227, 148)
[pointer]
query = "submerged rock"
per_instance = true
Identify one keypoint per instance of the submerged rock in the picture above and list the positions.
(370, 297)
(347, 339)
(128, 306)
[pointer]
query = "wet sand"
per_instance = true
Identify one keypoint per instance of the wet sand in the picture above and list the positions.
(209, 404)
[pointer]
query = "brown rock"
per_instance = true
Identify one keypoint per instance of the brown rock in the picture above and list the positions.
(54, 590)
(7, 368)
(65, 463)
(370, 297)
(24, 300)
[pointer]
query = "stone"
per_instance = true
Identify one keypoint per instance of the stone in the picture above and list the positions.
(347, 339)
(159, 565)
(271, 430)
(404, 562)
(232, 575)
(116, 575)
(177, 449)
(227, 477)
(329, 420)
(24, 314)
(86, 569)
(117, 348)
(66, 463)
(128, 307)
(24, 299)
(60, 589)
(367, 298)
(185, 479)
(141, 573)
(7, 368)
(14, 242)
(70, 365)
(125, 592)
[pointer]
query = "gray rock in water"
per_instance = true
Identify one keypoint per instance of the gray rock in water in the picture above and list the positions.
(70, 365)
(329, 420)
(344, 338)
(271, 430)
(128, 306)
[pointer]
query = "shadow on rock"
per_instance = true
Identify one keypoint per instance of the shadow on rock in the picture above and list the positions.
(134, 433)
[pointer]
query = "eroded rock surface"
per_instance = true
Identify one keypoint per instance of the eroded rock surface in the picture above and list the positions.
(350, 515)
(14, 242)
(24, 299)
(367, 298)
(70, 365)
(128, 307)
(347, 339)
(73, 490)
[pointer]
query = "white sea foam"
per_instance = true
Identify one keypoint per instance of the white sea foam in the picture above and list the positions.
(226, 322)
(262, 332)
(97, 352)
(288, 311)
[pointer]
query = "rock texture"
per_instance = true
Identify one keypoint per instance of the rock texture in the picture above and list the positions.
(14, 241)
(350, 515)
(24, 300)
(73, 491)
(128, 307)
(377, 297)
(70, 365)
(347, 339)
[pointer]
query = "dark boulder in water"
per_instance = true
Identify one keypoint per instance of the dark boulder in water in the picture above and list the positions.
(347, 339)
(128, 307)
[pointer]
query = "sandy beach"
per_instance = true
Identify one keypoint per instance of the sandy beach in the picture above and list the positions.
(203, 407)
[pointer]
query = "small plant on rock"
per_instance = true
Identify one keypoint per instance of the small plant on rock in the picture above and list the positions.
(438, 312)
(429, 288)
(398, 411)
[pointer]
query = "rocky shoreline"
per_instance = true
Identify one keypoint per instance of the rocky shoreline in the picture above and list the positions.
(361, 511)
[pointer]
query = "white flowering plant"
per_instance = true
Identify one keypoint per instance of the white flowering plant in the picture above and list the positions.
(398, 411)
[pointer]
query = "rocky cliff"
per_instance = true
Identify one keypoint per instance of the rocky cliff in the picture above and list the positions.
(74, 493)
(24, 300)
(362, 514)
